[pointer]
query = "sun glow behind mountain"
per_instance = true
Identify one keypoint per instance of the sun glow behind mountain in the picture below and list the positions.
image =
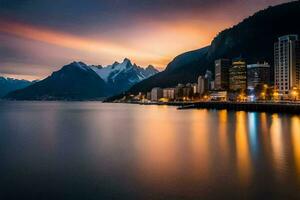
(32, 45)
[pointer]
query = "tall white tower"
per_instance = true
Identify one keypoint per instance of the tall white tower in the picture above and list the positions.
(287, 63)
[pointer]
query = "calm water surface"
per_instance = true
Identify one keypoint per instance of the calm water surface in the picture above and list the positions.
(90, 150)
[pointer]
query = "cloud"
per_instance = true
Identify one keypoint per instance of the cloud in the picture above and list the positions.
(48, 35)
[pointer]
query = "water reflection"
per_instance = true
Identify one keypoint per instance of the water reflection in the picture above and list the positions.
(199, 157)
(242, 149)
(150, 152)
(277, 145)
(223, 136)
(156, 147)
(296, 142)
(253, 132)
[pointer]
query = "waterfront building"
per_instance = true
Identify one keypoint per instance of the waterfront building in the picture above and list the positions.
(222, 74)
(195, 88)
(156, 94)
(187, 91)
(203, 85)
(238, 75)
(179, 92)
(169, 93)
(287, 63)
(219, 95)
(148, 95)
(212, 85)
(258, 74)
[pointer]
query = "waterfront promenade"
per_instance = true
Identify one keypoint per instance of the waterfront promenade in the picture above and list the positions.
(280, 107)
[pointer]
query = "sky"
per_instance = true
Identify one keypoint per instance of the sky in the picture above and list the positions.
(38, 37)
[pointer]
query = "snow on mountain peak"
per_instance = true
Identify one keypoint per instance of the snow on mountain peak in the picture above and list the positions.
(80, 65)
(117, 70)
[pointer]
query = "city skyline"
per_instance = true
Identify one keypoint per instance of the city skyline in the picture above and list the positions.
(148, 33)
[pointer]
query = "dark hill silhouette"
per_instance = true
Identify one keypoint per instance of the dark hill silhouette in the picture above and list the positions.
(253, 39)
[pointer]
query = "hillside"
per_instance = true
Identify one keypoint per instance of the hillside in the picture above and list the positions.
(252, 39)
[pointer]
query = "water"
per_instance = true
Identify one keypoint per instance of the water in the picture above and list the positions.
(89, 150)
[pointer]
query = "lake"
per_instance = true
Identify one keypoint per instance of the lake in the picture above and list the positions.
(90, 150)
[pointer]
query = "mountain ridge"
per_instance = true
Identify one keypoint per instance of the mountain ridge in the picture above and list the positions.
(79, 81)
(253, 39)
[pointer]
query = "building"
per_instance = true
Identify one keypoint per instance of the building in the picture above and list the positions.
(287, 63)
(156, 94)
(212, 85)
(258, 74)
(179, 92)
(204, 82)
(222, 74)
(195, 88)
(187, 91)
(208, 75)
(219, 95)
(148, 95)
(169, 93)
(238, 75)
(203, 85)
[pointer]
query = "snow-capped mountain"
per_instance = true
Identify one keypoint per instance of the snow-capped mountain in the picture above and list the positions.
(112, 72)
(121, 76)
(78, 80)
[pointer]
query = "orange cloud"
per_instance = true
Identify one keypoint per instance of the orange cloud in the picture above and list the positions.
(65, 40)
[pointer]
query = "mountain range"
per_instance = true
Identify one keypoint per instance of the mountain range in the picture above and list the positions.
(10, 84)
(253, 39)
(79, 81)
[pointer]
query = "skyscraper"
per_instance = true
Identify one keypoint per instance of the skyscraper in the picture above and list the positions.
(238, 75)
(156, 94)
(287, 63)
(203, 85)
(222, 74)
(258, 74)
(208, 79)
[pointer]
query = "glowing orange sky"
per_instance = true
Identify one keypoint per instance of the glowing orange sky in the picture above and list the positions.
(156, 47)
(37, 50)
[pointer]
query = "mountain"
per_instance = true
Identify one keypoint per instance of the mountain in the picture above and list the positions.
(9, 84)
(74, 81)
(79, 81)
(253, 39)
(121, 76)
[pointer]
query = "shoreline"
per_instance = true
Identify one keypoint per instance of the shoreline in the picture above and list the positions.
(276, 107)
(270, 107)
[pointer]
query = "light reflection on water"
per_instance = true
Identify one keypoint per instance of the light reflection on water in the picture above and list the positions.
(296, 143)
(74, 150)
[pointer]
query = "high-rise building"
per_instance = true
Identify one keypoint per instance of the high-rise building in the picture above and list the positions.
(238, 75)
(169, 93)
(195, 88)
(287, 63)
(212, 85)
(222, 74)
(156, 94)
(188, 91)
(179, 92)
(258, 74)
(203, 85)
(208, 75)
(148, 95)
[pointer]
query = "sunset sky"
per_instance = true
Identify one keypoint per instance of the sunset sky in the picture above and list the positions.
(39, 36)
